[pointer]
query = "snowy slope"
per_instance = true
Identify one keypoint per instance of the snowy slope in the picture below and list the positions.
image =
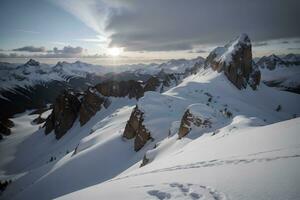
(200, 164)
(281, 72)
(248, 163)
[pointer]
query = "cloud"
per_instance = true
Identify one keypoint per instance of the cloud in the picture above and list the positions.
(260, 44)
(11, 55)
(285, 42)
(178, 25)
(68, 50)
(27, 31)
(31, 49)
(198, 51)
(65, 52)
(15, 55)
(294, 48)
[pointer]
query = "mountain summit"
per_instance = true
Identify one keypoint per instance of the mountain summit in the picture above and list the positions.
(235, 59)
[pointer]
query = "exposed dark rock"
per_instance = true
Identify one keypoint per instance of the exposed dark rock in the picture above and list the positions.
(5, 125)
(32, 62)
(278, 108)
(64, 113)
(143, 135)
(4, 184)
(135, 129)
(152, 84)
(145, 161)
(255, 77)
(41, 110)
(131, 88)
(235, 59)
(91, 103)
(39, 120)
(188, 120)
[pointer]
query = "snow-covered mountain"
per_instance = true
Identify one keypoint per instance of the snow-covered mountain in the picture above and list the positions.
(282, 72)
(220, 133)
(33, 72)
(34, 85)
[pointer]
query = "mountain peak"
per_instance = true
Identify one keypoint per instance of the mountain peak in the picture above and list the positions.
(32, 62)
(235, 59)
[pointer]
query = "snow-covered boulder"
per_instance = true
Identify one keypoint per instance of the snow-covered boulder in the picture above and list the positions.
(235, 59)
(196, 115)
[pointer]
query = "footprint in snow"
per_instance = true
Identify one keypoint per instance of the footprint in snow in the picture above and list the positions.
(184, 191)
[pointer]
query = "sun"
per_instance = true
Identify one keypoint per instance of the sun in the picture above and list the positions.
(115, 51)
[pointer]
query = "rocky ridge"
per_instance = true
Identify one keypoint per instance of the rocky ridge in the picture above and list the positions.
(235, 60)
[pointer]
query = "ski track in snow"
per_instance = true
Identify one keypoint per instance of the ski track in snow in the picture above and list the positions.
(212, 163)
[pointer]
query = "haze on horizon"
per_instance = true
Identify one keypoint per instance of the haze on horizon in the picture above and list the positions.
(130, 31)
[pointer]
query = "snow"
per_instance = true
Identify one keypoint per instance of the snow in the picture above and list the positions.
(224, 54)
(178, 66)
(23, 129)
(253, 154)
(286, 76)
(13, 75)
(255, 163)
(202, 111)
(286, 72)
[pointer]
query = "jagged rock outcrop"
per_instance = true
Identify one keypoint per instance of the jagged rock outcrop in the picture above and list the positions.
(255, 77)
(131, 88)
(39, 120)
(32, 62)
(69, 106)
(198, 115)
(235, 60)
(5, 126)
(152, 84)
(41, 110)
(64, 114)
(92, 102)
(136, 129)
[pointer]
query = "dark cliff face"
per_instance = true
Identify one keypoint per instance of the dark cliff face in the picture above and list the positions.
(136, 129)
(70, 105)
(131, 88)
(189, 120)
(64, 114)
(5, 125)
(235, 60)
(92, 102)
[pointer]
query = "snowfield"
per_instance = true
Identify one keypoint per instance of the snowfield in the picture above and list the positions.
(248, 163)
(254, 153)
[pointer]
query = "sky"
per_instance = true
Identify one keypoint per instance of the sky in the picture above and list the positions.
(106, 31)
